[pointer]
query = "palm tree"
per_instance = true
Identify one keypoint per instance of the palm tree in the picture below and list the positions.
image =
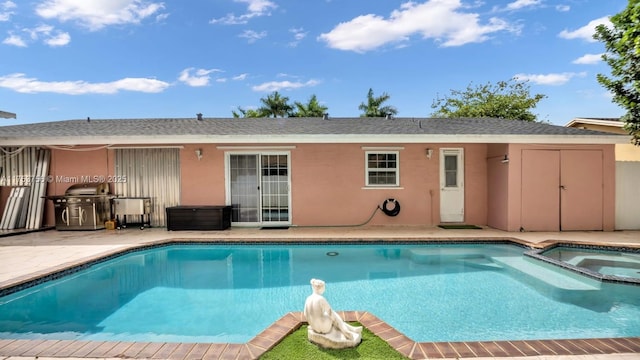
(276, 105)
(248, 113)
(310, 109)
(373, 108)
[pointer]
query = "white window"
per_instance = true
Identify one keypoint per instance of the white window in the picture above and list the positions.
(382, 168)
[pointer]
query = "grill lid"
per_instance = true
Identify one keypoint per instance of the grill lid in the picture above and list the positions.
(88, 189)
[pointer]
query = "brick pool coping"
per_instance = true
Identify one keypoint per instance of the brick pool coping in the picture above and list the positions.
(290, 322)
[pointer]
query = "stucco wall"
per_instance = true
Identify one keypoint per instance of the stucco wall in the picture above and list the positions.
(328, 186)
(328, 181)
(202, 180)
(497, 186)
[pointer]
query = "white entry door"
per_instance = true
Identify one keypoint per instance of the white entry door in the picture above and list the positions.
(451, 185)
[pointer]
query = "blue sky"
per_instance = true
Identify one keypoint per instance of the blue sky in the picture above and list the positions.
(72, 59)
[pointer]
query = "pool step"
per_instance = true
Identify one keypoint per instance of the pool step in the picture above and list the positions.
(482, 263)
(556, 277)
(426, 256)
(431, 256)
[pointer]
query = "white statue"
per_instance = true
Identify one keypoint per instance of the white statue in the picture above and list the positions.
(326, 328)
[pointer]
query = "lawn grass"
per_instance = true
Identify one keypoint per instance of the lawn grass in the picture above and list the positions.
(297, 346)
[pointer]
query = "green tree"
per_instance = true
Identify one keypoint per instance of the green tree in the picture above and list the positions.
(311, 109)
(505, 100)
(373, 107)
(622, 44)
(248, 113)
(275, 105)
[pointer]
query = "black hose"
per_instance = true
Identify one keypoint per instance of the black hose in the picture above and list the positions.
(393, 211)
(351, 225)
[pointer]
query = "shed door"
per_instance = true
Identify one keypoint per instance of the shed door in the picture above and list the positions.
(562, 190)
(581, 190)
(541, 190)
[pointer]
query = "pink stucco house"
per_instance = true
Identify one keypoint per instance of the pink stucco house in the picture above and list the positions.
(505, 174)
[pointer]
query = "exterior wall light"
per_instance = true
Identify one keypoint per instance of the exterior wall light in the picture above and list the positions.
(429, 152)
(199, 153)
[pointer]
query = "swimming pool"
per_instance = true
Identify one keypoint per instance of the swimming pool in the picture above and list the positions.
(229, 293)
(602, 263)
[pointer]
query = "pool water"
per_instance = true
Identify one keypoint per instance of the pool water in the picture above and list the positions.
(606, 262)
(218, 293)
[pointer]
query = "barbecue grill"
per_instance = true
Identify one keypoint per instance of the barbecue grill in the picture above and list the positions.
(83, 207)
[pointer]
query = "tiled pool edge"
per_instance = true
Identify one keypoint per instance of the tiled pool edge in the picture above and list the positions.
(290, 322)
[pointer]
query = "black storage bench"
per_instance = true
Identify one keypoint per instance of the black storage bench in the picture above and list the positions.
(198, 217)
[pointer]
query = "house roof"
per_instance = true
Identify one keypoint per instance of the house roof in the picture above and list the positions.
(613, 122)
(296, 130)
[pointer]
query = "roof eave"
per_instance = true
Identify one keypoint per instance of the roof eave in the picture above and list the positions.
(307, 139)
(576, 122)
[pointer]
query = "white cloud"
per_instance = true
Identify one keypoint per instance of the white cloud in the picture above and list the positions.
(283, 85)
(14, 40)
(298, 35)
(586, 32)
(49, 35)
(588, 59)
(255, 8)
(442, 20)
(22, 84)
(5, 10)
(240, 77)
(549, 79)
(258, 6)
(97, 14)
(519, 4)
(60, 39)
(563, 8)
(162, 17)
(252, 36)
(196, 77)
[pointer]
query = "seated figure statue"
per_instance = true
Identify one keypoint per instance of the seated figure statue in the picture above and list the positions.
(326, 328)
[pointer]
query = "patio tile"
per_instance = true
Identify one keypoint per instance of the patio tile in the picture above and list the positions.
(525, 348)
(462, 349)
(509, 348)
(149, 350)
(214, 352)
(478, 349)
(120, 349)
(447, 350)
(165, 351)
(431, 350)
(106, 349)
(35, 349)
(494, 349)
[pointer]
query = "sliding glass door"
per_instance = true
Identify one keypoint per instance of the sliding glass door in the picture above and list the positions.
(258, 188)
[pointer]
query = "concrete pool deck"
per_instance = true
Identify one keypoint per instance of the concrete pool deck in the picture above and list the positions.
(24, 257)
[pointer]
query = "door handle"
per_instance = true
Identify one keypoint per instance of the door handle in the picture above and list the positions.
(562, 187)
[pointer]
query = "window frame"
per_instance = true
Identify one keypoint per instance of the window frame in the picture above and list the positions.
(368, 170)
